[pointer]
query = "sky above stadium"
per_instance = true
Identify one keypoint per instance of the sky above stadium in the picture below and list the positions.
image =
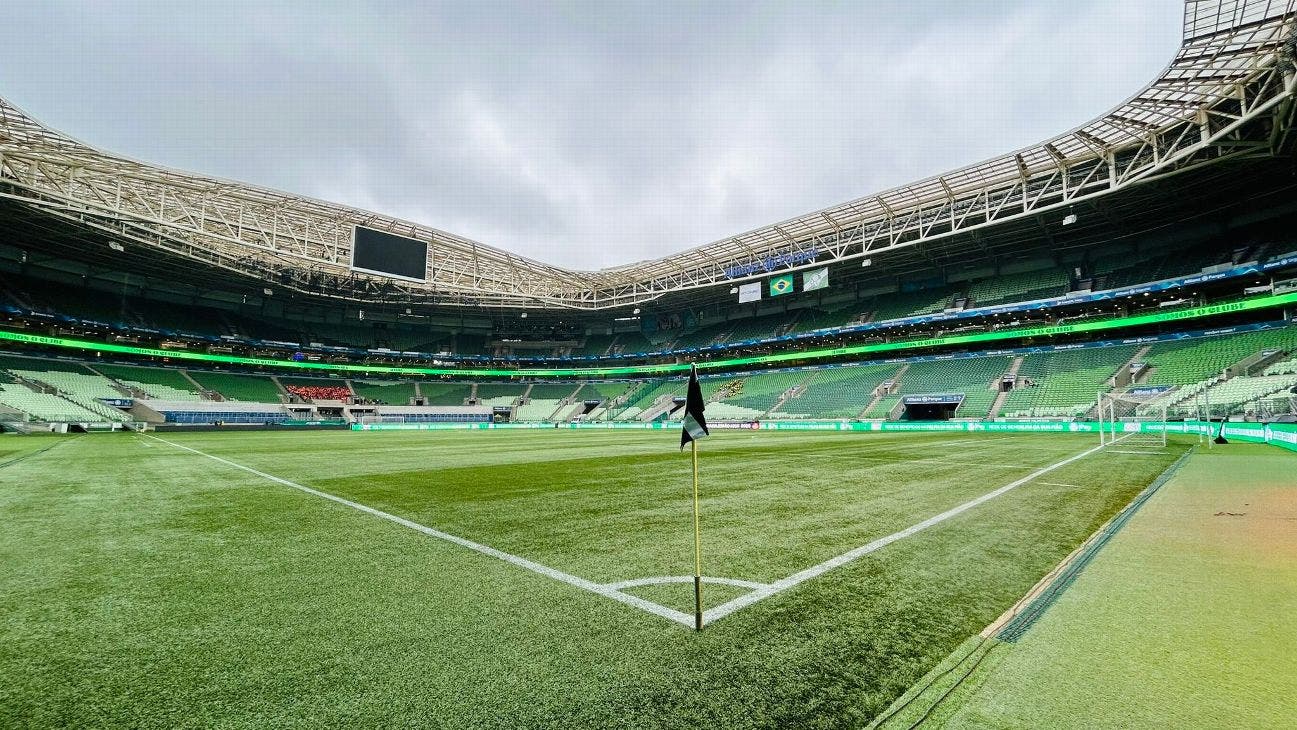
(584, 135)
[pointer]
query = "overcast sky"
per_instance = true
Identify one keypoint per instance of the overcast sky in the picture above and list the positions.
(585, 135)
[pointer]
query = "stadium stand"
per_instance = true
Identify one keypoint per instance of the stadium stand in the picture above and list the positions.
(1064, 383)
(838, 392)
(912, 304)
(1235, 393)
(313, 393)
(975, 377)
(397, 394)
(757, 394)
(73, 382)
(500, 394)
(45, 406)
(1285, 367)
(1018, 287)
(249, 388)
(1195, 360)
(160, 383)
(657, 395)
(445, 394)
(1240, 369)
(815, 319)
(596, 345)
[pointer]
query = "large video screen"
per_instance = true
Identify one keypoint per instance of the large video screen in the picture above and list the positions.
(376, 252)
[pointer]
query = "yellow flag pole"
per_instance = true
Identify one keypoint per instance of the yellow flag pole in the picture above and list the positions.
(698, 551)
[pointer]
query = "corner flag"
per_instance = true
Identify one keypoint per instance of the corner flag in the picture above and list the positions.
(695, 425)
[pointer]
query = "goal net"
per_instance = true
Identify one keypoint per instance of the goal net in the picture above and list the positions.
(1136, 418)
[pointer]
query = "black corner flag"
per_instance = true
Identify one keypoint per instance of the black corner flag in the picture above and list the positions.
(695, 424)
(695, 427)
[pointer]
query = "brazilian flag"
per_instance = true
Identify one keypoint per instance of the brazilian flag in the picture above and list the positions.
(781, 285)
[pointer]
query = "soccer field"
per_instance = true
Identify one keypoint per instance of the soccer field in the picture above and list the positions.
(520, 578)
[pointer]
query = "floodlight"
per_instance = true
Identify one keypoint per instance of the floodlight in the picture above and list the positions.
(116, 246)
(1069, 219)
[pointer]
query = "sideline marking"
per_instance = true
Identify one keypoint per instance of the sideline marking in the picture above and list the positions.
(545, 570)
(760, 591)
(814, 571)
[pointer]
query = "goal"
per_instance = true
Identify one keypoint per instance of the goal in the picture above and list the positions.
(1135, 417)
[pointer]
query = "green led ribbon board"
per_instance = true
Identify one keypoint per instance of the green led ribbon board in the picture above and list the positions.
(1098, 325)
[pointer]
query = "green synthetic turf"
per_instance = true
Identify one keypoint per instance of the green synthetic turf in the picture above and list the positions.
(1184, 620)
(149, 586)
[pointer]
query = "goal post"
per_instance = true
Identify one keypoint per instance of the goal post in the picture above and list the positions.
(1136, 417)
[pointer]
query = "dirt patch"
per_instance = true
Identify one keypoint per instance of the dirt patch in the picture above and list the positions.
(1264, 520)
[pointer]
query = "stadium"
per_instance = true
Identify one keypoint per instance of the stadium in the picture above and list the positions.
(1011, 446)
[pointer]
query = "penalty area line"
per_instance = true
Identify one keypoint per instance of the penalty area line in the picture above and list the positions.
(819, 569)
(607, 591)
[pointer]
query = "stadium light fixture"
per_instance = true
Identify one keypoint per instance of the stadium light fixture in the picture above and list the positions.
(116, 246)
(523, 315)
(268, 291)
(866, 263)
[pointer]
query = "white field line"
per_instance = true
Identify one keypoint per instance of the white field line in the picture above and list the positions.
(760, 591)
(955, 442)
(598, 588)
(944, 460)
(815, 571)
(1060, 484)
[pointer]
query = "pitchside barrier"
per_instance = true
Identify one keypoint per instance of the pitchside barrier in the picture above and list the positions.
(1283, 435)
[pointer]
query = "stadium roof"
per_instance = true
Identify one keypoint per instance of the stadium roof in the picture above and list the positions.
(1227, 94)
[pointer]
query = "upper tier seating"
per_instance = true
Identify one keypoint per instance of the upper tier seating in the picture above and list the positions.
(595, 345)
(910, 304)
(1018, 287)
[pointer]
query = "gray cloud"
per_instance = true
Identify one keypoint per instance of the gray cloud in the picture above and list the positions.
(582, 134)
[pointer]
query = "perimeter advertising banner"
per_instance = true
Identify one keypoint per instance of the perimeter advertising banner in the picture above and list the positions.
(1283, 435)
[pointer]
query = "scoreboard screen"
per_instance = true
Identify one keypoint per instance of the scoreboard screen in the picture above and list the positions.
(376, 252)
